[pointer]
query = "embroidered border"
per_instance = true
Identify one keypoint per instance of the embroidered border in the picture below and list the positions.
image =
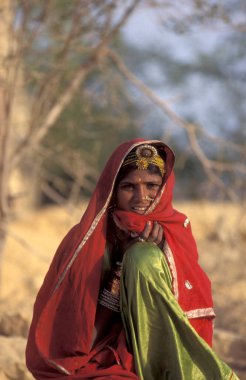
(200, 313)
(86, 237)
(58, 366)
(169, 255)
(156, 201)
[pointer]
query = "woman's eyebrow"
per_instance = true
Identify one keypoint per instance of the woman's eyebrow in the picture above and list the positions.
(132, 182)
(127, 181)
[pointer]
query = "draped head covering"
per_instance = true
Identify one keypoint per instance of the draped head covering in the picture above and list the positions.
(64, 312)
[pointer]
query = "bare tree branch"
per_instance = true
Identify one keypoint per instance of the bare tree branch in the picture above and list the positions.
(23, 242)
(208, 165)
(65, 98)
(53, 194)
(4, 139)
(6, 99)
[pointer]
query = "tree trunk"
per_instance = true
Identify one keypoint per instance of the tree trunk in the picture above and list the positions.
(13, 116)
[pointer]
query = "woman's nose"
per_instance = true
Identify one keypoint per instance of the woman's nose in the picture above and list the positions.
(140, 193)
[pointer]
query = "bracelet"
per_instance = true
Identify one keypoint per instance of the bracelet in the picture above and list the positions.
(109, 300)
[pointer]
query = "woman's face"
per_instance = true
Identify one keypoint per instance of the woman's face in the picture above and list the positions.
(137, 190)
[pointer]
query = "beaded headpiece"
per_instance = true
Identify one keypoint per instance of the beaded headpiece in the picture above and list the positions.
(143, 156)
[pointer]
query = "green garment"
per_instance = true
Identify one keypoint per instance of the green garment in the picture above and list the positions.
(164, 344)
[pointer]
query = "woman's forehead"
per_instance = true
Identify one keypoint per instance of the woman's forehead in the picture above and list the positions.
(137, 175)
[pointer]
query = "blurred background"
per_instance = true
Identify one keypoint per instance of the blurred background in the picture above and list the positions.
(79, 77)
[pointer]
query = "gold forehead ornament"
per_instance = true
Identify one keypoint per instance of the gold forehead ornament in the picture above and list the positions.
(143, 157)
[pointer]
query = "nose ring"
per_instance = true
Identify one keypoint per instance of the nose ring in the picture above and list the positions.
(147, 198)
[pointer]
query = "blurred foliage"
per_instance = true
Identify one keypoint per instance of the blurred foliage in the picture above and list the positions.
(98, 119)
(101, 115)
(207, 88)
(201, 74)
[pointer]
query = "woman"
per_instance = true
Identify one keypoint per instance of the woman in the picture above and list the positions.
(124, 297)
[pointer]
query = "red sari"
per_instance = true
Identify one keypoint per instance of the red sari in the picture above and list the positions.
(64, 313)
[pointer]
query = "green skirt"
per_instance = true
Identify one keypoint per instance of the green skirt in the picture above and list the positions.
(164, 344)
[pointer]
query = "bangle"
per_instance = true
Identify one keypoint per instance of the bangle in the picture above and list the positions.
(110, 295)
(109, 300)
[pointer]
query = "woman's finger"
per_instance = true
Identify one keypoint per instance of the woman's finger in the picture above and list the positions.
(160, 236)
(156, 234)
(146, 232)
(152, 233)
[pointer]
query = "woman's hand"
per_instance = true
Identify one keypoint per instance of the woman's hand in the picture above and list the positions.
(152, 233)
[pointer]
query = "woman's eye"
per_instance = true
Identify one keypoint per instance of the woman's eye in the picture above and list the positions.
(127, 186)
(153, 186)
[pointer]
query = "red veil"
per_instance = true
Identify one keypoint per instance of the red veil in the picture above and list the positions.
(64, 312)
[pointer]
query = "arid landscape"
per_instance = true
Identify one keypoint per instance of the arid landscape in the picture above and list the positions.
(220, 231)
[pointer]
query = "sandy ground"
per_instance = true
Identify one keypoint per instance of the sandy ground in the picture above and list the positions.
(220, 231)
